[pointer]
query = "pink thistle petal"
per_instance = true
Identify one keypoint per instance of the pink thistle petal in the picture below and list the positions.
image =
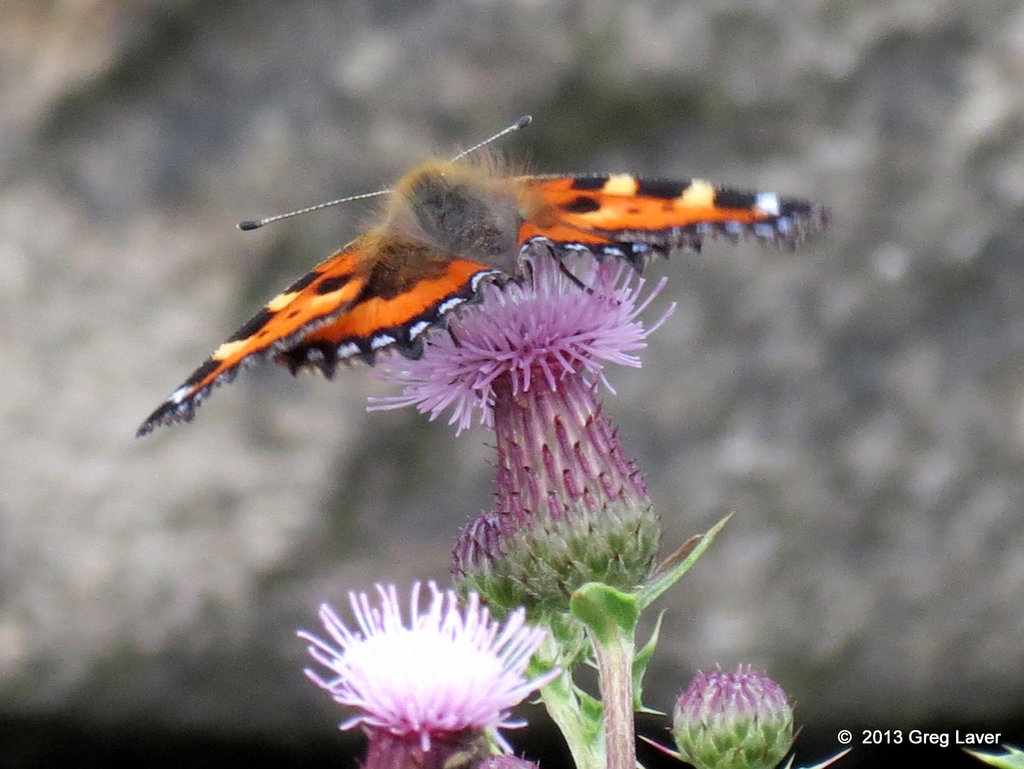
(441, 669)
(540, 328)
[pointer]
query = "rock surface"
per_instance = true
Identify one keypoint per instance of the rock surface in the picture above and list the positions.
(859, 404)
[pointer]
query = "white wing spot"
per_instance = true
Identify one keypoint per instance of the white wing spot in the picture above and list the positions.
(449, 305)
(348, 349)
(768, 203)
(418, 328)
(382, 340)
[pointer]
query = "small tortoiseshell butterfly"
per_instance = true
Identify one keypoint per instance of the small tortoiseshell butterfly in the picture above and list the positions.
(450, 226)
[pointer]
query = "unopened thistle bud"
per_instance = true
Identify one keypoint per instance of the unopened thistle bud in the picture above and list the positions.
(740, 720)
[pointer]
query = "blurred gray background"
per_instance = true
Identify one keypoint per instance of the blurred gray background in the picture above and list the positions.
(859, 404)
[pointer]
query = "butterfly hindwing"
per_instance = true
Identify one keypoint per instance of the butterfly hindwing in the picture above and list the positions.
(634, 218)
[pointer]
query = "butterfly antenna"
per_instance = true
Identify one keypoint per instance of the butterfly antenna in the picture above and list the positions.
(522, 122)
(255, 224)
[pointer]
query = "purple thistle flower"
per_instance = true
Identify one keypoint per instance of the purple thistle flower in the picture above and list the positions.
(740, 720)
(443, 676)
(533, 331)
(529, 361)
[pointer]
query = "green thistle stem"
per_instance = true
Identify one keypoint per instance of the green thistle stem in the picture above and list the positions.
(615, 671)
(610, 617)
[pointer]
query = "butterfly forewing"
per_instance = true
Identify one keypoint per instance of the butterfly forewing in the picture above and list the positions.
(629, 217)
(326, 291)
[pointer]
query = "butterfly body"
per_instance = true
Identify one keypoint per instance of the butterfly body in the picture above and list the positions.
(447, 228)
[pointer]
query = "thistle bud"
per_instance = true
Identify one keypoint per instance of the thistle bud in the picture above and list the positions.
(740, 720)
(506, 762)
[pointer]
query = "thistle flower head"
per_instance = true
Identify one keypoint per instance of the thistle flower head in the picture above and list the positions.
(529, 360)
(740, 720)
(530, 332)
(440, 673)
